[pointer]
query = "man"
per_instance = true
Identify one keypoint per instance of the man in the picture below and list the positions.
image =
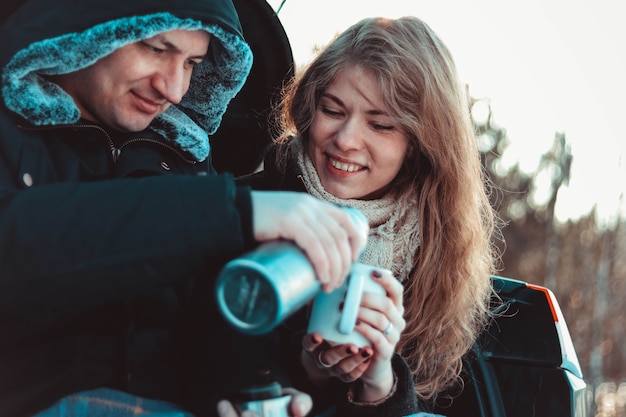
(113, 223)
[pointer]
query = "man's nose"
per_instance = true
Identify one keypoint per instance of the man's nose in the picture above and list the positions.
(172, 82)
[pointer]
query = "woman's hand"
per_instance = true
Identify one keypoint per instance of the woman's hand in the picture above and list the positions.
(347, 361)
(380, 320)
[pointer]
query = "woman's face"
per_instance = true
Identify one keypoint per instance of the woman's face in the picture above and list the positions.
(357, 148)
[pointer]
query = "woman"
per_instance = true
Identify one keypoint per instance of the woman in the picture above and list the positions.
(380, 121)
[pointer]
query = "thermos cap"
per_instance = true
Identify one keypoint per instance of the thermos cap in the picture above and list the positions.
(246, 297)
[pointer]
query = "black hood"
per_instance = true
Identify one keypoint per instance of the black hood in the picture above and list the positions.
(43, 38)
(247, 129)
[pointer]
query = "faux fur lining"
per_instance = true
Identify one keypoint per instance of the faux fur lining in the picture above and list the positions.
(213, 84)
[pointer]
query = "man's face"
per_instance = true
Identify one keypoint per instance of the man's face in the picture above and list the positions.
(127, 89)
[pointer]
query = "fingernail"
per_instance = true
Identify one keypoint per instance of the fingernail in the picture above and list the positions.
(316, 338)
(376, 274)
(365, 354)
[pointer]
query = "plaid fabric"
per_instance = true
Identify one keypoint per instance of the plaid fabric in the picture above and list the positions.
(332, 412)
(104, 402)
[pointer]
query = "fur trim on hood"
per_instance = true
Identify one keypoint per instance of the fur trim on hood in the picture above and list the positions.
(213, 84)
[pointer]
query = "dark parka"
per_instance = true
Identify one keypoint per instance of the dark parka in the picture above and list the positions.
(109, 240)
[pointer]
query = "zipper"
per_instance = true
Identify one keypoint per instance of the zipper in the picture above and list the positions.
(115, 151)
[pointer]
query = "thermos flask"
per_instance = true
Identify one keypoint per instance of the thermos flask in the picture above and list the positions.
(260, 289)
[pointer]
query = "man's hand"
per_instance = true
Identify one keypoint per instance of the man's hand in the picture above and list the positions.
(322, 230)
(299, 406)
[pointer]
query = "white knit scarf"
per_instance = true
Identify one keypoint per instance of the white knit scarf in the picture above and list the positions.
(393, 219)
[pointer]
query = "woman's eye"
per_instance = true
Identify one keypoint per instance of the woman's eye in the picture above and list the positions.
(331, 112)
(382, 127)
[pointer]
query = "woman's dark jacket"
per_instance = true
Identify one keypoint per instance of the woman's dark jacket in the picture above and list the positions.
(404, 401)
(108, 241)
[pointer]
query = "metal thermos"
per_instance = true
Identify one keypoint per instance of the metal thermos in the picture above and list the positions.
(260, 289)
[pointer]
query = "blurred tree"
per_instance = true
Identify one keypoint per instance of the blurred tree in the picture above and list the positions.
(581, 261)
(557, 165)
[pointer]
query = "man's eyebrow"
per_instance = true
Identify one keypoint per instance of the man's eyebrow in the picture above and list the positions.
(170, 46)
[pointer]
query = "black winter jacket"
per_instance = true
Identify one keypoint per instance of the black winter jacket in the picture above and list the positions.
(109, 241)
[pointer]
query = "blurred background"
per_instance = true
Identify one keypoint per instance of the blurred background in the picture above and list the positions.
(547, 80)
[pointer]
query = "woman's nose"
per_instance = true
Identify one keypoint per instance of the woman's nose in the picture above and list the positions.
(349, 135)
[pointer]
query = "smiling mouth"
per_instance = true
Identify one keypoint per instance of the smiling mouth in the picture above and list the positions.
(343, 166)
(147, 106)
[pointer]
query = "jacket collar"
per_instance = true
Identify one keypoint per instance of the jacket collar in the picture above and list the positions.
(214, 83)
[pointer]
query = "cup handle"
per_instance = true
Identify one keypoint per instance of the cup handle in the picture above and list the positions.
(351, 303)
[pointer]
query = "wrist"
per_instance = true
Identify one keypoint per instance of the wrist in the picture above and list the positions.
(369, 393)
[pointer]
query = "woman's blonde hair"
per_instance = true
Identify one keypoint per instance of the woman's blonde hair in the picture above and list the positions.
(447, 295)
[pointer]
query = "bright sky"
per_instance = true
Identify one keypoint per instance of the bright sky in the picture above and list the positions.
(546, 66)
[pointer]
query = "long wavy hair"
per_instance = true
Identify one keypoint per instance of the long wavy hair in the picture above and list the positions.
(447, 294)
